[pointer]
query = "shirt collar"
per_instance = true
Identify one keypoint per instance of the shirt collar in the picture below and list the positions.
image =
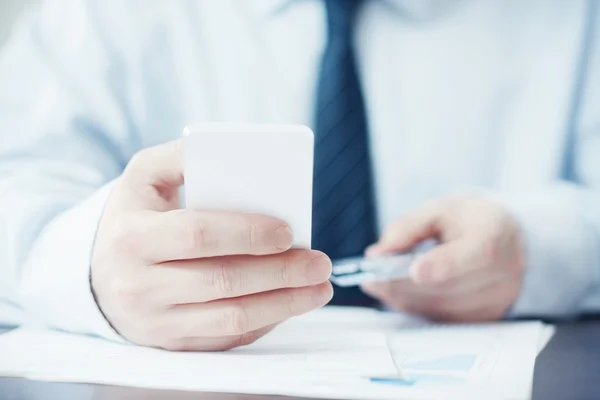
(267, 8)
(417, 9)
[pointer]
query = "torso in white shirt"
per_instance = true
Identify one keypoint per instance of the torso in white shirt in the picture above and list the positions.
(460, 94)
(476, 95)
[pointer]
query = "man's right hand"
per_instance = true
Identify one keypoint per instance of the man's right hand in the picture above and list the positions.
(192, 280)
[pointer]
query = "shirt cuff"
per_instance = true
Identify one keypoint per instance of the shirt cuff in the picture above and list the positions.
(56, 289)
(560, 253)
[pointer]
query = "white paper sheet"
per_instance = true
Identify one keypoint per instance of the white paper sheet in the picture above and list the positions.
(331, 353)
(545, 335)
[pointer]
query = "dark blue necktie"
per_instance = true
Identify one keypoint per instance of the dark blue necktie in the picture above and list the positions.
(343, 206)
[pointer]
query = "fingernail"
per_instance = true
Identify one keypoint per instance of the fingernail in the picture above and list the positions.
(322, 294)
(318, 269)
(283, 237)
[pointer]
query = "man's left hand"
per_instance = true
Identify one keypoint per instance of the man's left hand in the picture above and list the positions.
(474, 274)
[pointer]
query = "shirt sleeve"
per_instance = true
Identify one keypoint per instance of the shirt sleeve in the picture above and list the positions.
(60, 293)
(561, 222)
(65, 134)
(561, 250)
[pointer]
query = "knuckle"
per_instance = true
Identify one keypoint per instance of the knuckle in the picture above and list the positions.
(248, 338)
(175, 147)
(226, 279)
(234, 321)
(251, 233)
(284, 274)
(292, 302)
(136, 160)
(123, 241)
(195, 234)
(129, 294)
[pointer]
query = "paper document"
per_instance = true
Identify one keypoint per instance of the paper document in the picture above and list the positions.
(331, 353)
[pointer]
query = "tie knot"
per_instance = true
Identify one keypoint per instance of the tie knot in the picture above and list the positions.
(340, 17)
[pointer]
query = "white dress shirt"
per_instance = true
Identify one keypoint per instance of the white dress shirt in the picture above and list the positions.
(498, 96)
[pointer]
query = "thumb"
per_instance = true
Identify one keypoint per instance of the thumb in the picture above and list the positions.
(155, 174)
(410, 230)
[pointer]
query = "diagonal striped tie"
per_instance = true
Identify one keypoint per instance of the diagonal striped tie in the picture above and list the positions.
(343, 206)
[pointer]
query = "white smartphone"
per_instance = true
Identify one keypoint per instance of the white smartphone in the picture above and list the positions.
(252, 168)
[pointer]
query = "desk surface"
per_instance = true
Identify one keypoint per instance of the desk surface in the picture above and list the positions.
(568, 368)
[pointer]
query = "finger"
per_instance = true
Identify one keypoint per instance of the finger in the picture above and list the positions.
(155, 173)
(444, 262)
(404, 290)
(408, 231)
(399, 294)
(394, 290)
(186, 234)
(407, 297)
(487, 303)
(216, 343)
(240, 315)
(469, 282)
(201, 280)
(383, 291)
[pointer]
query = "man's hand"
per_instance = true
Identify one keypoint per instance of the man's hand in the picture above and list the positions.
(474, 274)
(192, 280)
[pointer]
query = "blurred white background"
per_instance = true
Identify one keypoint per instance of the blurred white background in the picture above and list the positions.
(9, 11)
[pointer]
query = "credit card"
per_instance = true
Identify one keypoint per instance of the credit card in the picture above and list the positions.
(354, 271)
